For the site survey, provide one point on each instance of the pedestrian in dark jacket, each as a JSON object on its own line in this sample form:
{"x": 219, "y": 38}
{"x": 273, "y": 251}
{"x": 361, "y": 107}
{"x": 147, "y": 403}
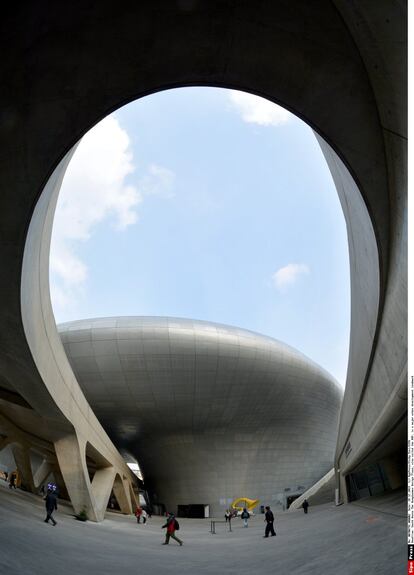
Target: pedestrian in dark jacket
{"x": 269, "y": 519}
{"x": 172, "y": 526}
{"x": 245, "y": 516}
{"x": 51, "y": 505}
{"x": 305, "y": 506}
{"x": 12, "y": 481}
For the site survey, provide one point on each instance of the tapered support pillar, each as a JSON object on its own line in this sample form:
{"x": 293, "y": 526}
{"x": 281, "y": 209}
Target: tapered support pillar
{"x": 63, "y": 492}
{"x": 45, "y": 469}
{"x": 133, "y": 497}
{"x": 101, "y": 488}
{"x": 21, "y": 456}
{"x": 70, "y": 452}
{"x": 121, "y": 492}
{"x": 93, "y": 497}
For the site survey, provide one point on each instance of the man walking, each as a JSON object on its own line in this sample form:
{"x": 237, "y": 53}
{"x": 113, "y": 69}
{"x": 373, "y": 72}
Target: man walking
{"x": 172, "y": 526}
{"x": 12, "y": 481}
{"x": 269, "y": 519}
{"x": 51, "y": 505}
{"x": 245, "y": 516}
{"x": 305, "y": 505}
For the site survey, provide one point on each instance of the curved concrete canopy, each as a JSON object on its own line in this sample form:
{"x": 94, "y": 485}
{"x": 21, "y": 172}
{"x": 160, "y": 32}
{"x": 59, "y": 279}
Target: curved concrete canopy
{"x": 211, "y": 412}
{"x": 340, "y": 66}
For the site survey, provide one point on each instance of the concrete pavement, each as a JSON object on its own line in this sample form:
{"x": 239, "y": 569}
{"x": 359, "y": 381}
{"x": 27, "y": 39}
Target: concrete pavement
{"x": 346, "y": 540}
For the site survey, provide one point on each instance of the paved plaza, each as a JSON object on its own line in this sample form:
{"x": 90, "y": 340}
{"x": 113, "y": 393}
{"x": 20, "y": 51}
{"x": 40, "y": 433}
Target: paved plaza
{"x": 346, "y": 540}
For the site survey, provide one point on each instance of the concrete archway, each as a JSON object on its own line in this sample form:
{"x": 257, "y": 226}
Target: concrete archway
{"x": 67, "y": 69}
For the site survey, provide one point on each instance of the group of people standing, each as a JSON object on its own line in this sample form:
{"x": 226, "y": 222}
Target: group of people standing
{"x": 230, "y": 514}
{"x": 245, "y": 516}
{"x": 141, "y": 513}
{"x": 269, "y": 517}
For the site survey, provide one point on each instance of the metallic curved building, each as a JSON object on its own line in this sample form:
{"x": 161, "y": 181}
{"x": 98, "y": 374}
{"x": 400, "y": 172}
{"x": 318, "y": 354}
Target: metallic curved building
{"x": 210, "y": 412}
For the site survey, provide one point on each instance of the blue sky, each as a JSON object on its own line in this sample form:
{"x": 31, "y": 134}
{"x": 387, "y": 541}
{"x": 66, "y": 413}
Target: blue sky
{"x": 209, "y": 204}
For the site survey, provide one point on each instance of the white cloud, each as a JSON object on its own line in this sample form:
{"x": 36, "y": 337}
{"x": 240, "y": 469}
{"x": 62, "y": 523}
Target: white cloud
{"x": 288, "y": 275}
{"x": 256, "y": 110}
{"x": 95, "y": 190}
{"x": 67, "y": 265}
{"x": 94, "y": 185}
{"x": 158, "y": 182}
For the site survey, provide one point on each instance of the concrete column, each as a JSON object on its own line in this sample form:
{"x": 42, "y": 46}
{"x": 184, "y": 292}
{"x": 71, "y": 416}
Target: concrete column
{"x": 70, "y": 452}
{"x": 22, "y": 458}
{"x": 121, "y": 492}
{"x": 101, "y": 488}
{"x": 133, "y": 497}
{"x": 43, "y": 472}
{"x": 63, "y": 492}
{"x": 339, "y": 497}
{"x": 342, "y": 489}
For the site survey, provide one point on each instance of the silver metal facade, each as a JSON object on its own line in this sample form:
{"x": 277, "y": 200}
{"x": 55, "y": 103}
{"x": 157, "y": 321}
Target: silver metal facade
{"x": 210, "y": 412}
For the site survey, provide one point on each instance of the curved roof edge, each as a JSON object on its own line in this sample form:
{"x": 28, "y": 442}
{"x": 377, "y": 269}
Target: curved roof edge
{"x": 182, "y": 323}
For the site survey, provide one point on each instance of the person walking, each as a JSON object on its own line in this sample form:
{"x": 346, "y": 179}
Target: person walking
{"x": 227, "y": 515}
{"x": 12, "y": 481}
{"x": 51, "y": 505}
{"x": 138, "y": 513}
{"x": 245, "y": 516}
{"x": 305, "y": 505}
{"x": 269, "y": 519}
{"x": 172, "y": 526}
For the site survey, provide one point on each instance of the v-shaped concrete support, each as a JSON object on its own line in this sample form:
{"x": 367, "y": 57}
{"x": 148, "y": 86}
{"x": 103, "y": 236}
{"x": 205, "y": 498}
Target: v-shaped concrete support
{"x": 92, "y": 496}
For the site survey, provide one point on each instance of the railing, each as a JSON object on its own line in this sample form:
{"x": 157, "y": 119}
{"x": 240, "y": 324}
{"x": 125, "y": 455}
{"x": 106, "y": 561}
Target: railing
{"x": 213, "y": 525}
